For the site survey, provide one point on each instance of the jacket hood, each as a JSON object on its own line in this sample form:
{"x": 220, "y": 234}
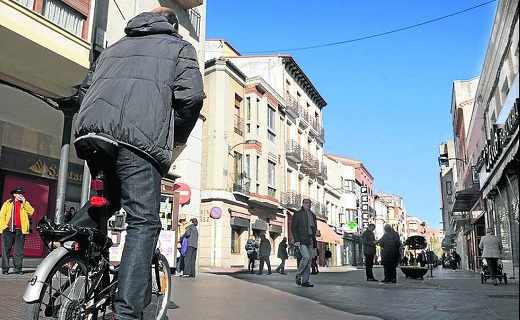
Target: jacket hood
{"x": 148, "y": 23}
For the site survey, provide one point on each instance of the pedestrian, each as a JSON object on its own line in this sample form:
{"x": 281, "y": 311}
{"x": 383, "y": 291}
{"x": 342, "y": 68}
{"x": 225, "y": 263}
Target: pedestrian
{"x": 421, "y": 259}
{"x": 282, "y": 255}
{"x": 140, "y": 100}
{"x": 455, "y": 260}
{"x": 328, "y": 257}
{"x": 304, "y": 231}
{"x": 192, "y": 234}
{"x": 369, "y": 250}
{"x": 264, "y": 252}
{"x": 314, "y": 262}
{"x": 252, "y": 253}
{"x": 491, "y": 247}
{"x": 70, "y": 214}
{"x": 390, "y": 244}
{"x": 14, "y": 225}
{"x": 179, "y": 268}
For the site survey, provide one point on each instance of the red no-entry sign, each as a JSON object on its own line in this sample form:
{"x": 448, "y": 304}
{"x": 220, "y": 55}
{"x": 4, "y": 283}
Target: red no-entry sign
{"x": 184, "y": 192}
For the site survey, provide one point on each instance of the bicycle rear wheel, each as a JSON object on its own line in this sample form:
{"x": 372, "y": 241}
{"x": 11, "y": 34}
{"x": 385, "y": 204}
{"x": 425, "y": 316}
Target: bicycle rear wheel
{"x": 161, "y": 289}
{"x": 63, "y": 291}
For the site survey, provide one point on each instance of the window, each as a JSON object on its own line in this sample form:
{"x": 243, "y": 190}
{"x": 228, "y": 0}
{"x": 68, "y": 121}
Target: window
{"x": 64, "y": 16}
{"x": 271, "y": 116}
{"x": 271, "y": 173}
{"x": 348, "y": 185}
{"x": 248, "y": 109}
{"x": 449, "y": 190}
{"x": 195, "y": 20}
{"x": 235, "y": 239}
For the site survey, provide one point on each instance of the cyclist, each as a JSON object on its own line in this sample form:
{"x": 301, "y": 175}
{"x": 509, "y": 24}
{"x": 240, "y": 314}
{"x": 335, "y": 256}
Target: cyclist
{"x": 135, "y": 92}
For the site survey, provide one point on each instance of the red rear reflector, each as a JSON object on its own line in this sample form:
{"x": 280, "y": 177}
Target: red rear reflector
{"x": 76, "y": 246}
{"x": 97, "y": 201}
{"x": 97, "y": 184}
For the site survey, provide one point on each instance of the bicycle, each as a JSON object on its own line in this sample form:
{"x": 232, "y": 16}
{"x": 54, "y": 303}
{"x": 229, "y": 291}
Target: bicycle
{"x": 76, "y": 280}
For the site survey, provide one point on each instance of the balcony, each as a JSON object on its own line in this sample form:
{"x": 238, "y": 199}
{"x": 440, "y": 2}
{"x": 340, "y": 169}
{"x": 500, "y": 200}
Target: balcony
{"x": 39, "y": 55}
{"x": 323, "y": 171}
{"x": 310, "y": 163}
{"x": 291, "y": 106}
{"x": 293, "y": 151}
{"x": 188, "y": 4}
{"x": 241, "y": 185}
{"x": 319, "y": 210}
{"x": 292, "y": 200}
{"x": 238, "y": 125}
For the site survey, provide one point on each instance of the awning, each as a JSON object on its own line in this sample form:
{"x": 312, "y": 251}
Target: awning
{"x": 465, "y": 199}
{"x": 327, "y": 234}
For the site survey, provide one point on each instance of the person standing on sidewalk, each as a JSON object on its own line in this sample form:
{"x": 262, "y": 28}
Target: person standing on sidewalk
{"x": 282, "y": 255}
{"x": 14, "y": 225}
{"x": 263, "y": 254}
{"x": 369, "y": 250}
{"x": 252, "y": 253}
{"x": 192, "y": 234}
{"x": 328, "y": 258}
{"x": 304, "y": 231}
{"x": 391, "y": 247}
{"x": 491, "y": 247}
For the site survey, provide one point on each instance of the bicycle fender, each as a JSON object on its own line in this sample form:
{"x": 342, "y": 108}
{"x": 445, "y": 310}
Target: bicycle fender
{"x": 35, "y": 285}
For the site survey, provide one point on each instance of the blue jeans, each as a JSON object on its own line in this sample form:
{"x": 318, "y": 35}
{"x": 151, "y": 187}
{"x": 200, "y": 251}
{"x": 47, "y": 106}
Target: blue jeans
{"x": 134, "y": 184}
{"x": 304, "y": 268}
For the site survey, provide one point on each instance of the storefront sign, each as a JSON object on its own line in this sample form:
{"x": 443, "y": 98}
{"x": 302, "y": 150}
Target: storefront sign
{"x": 500, "y": 136}
{"x": 37, "y": 165}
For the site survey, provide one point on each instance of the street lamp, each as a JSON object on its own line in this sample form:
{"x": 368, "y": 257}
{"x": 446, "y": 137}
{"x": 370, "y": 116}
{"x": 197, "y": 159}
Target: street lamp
{"x": 443, "y": 160}
{"x": 245, "y": 142}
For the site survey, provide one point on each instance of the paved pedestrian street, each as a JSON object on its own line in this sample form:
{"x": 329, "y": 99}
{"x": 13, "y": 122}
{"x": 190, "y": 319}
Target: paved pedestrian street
{"x": 339, "y": 293}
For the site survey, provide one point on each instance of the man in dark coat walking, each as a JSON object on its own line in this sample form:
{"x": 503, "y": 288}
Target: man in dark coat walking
{"x": 142, "y": 96}
{"x": 369, "y": 250}
{"x": 304, "y": 231}
{"x": 390, "y": 253}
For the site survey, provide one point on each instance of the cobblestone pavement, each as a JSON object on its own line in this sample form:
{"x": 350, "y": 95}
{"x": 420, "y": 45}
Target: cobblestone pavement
{"x": 339, "y": 293}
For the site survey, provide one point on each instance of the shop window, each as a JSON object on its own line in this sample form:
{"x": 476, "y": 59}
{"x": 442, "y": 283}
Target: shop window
{"x": 235, "y": 239}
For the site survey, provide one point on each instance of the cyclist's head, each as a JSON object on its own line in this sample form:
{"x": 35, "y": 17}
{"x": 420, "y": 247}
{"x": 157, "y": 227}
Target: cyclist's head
{"x": 170, "y": 16}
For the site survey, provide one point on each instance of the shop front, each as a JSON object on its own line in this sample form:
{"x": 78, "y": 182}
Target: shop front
{"x": 38, "y": 175}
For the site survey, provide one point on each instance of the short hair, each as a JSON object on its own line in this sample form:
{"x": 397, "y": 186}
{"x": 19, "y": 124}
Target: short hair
{"x": 192, "y": 220}
{"x": 169, "y": 14}
{"x": 388, "y": 227}
{"x": 306, "y": 199}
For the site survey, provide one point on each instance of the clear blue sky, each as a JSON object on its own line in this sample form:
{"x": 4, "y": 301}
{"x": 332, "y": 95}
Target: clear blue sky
{"x": 388, "y": 96}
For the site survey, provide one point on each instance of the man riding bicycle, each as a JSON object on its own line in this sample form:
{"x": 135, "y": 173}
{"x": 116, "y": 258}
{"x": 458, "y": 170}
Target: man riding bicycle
{"x": 143, "y": 94}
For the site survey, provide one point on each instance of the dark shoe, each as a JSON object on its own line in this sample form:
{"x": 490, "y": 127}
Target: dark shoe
{"x": 259, "y": 274}
{"x": 269, "y": 273}
{"x": 298, "y": 280}
{"x": 307, "y": 284}
{"x": 5, "y": 272}
{"x": 371, "y": 279}
{"x": 283, "y": 273}
{"x": 384, "y": 281}
{"x": 393, "y": 281}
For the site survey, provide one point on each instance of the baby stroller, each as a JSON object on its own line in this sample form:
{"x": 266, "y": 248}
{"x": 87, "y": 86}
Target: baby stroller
{"x": 485, "y": 275}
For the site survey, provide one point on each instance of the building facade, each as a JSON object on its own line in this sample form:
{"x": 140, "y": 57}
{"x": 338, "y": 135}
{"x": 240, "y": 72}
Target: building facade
{"x": 487, "y": 156}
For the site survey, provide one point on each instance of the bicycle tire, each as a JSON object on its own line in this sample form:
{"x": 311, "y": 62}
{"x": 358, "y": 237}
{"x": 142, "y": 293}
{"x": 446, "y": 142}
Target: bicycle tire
{"x": 62, "y": 292}
{"x": 161, "y": 292}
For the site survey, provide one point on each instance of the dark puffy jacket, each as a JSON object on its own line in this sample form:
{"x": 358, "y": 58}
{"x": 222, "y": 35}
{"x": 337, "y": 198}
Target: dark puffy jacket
{"x": 134, "y": 86}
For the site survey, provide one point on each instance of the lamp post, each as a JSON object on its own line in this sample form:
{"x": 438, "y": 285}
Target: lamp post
{"x": 252, "y": 141}
{"x": 443, "y": 160}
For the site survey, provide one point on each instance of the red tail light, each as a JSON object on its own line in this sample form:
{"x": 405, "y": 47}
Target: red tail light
{"x": 97, "y": 201}
{"x": 97, "y": 184}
